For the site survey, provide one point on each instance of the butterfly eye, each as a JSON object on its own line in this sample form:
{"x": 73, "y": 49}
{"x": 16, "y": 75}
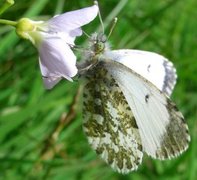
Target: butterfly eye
{"x": 103, "y": 38}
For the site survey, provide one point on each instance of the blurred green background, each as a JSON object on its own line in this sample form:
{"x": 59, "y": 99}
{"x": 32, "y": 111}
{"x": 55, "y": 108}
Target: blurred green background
{"x": 37, "y": 142}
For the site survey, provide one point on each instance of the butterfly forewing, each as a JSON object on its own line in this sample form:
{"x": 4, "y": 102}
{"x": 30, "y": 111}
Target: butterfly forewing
{"x": 154, "y": 67}
{"x": 109, "y": 123}
{"x": 163, "y": 131}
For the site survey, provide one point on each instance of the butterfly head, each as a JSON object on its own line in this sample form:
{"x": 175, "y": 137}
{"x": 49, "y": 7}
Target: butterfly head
{"x": 98, "y": 44}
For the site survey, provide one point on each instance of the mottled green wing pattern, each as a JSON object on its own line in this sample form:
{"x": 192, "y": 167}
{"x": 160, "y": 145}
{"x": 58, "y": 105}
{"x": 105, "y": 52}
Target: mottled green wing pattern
{"x": 176, "y": 138}
{"x": 109, "y": 123}
{"x": 163, "y": 131}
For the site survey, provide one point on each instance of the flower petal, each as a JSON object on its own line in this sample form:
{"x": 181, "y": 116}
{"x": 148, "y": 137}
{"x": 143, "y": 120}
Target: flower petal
{"x": 73, "y": 20}
{"x": 50, "y": 82}
{"x": 56, "y": 61}
{"x": 75, "y": 32}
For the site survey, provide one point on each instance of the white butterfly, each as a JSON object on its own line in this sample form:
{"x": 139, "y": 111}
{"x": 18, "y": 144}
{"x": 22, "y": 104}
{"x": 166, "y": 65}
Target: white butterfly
{"x": 127, "y": 110}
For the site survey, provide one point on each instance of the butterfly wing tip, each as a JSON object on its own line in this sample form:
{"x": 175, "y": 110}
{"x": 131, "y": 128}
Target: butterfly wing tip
{"x": 170, "y": 77}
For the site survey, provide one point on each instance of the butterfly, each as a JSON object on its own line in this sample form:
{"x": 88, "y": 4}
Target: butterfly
{"x": 126, "y": 106}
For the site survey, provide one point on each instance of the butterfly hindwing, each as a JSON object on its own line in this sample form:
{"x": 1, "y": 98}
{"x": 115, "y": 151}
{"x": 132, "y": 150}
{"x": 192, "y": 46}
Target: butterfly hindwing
{"x": 109, "y": 123}
{"x": 163, "y": 131}
{"x": 176, "y": 138}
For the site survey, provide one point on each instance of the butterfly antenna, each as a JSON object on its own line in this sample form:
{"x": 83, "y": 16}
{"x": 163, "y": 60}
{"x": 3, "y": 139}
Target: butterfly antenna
{"x": 112, "y": 27}
{"x": 86, "y": 34}
{"x": 100, "y": 18}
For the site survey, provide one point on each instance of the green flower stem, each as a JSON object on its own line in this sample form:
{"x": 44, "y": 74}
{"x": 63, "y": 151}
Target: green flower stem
{"x": 6, "y": 5}
{"x": 8, "y": 22}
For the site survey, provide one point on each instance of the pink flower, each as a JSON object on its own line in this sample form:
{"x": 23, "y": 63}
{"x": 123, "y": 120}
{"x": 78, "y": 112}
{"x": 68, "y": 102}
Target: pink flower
{"x": 54, "y": 39}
